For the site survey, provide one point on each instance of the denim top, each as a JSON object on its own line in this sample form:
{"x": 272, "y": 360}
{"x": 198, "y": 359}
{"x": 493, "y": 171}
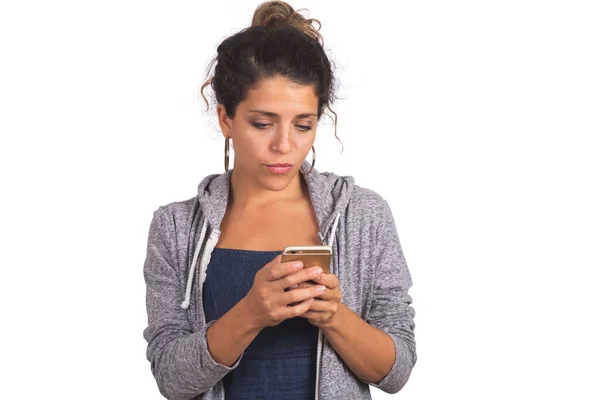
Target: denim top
{"x": 280, "y": 363}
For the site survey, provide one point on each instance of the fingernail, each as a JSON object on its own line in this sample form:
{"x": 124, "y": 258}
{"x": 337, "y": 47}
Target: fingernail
{"x": 321, "y": 289}
{"x": 317, "y": 271}
{"x": 298, "y": 264}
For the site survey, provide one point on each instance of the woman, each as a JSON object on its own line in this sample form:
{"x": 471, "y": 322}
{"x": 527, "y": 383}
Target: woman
{"x": 226, "y": 318}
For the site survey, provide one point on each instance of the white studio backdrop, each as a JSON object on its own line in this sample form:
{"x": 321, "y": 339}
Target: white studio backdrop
{"x": 477, "y": 121}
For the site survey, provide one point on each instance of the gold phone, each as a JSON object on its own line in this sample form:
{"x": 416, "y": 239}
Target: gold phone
{"x": 311, "y": 256}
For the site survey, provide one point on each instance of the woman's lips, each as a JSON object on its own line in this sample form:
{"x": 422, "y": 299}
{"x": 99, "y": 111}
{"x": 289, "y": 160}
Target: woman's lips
{"x": 277, "y": 169}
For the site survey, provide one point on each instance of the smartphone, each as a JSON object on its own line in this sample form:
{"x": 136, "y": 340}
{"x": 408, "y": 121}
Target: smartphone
{"x": 311, "y": 256}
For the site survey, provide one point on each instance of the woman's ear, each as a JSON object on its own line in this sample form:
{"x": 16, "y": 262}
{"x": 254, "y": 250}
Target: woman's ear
{"x": 225, "y": 122}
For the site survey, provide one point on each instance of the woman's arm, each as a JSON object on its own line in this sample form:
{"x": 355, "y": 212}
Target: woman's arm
{"x": 368, "y": 351}
{"x": 180, "y": 360}
{"x": 231, "y": 334}
{"x": 381, "y": 351}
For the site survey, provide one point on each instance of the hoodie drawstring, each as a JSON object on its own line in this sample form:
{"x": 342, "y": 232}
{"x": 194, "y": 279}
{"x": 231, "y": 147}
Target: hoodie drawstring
{"x": 188, "y": 288}
{"x": 333, "y": 229}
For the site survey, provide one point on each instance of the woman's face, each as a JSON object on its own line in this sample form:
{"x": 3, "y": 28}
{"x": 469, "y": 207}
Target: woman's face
{"x": 278, "y": 112}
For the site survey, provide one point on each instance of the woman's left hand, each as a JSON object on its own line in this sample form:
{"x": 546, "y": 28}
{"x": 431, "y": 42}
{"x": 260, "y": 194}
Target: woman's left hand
{"x": 324, "y": 307}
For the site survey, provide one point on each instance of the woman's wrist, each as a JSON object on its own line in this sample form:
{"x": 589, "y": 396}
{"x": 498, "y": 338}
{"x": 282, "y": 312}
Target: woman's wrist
{"x": 247, "y": 322}
{"x": 231, "y": 334}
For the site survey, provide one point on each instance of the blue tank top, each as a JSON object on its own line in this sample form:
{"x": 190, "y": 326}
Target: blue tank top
{"x": 280, "y": 363}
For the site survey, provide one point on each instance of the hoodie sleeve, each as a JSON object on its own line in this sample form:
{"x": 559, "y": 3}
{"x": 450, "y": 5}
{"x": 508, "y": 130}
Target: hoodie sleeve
{"x": 179, "y": 358}
{"x": 391, "y": 309}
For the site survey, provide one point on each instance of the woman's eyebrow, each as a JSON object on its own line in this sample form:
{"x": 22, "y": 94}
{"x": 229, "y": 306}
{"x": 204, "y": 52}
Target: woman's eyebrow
{"x": 272, "y": 114}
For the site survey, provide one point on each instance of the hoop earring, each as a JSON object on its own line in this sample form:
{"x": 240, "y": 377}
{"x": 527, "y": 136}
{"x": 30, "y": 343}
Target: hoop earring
{"x": 313, "y": 161}
{"x": 226, "y": 154}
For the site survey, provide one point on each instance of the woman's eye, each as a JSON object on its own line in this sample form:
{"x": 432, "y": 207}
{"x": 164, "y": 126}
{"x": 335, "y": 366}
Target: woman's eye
{"x": 263, "y": 126}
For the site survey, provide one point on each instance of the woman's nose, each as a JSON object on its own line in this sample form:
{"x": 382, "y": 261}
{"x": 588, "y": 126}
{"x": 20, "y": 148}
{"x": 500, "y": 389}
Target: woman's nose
{"x": 282, "y": 140}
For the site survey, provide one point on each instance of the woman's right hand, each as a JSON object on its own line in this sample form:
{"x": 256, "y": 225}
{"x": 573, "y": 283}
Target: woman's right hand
{"x": 269, "y": 298}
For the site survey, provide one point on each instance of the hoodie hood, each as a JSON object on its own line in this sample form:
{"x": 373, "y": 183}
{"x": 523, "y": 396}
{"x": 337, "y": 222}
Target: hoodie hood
{"x": 329, "y": 194}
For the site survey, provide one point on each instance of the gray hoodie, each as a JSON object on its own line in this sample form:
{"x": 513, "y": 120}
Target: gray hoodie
{"x": 367, "y": 259}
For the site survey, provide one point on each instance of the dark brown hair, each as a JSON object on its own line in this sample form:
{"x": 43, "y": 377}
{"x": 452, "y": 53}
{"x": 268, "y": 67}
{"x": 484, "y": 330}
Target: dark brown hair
{"x": 280, "y": 42}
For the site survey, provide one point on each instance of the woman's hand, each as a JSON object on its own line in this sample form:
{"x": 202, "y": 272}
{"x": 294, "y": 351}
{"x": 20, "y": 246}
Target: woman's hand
{"x": 324, "y": 306}
{"x": 269, "y": 300}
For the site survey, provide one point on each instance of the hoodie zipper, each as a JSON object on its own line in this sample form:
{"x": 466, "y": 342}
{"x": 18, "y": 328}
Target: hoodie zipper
{"x": 319, "y": 341}
{"x": 213, "y": 238}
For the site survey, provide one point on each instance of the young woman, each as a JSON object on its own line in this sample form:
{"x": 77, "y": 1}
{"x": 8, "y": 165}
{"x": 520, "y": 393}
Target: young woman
{"x": 226, "y": 318}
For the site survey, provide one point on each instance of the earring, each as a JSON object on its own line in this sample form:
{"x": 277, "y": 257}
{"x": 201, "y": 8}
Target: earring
{"x": 313, "y": 161}
{"x": 226, "y": 154}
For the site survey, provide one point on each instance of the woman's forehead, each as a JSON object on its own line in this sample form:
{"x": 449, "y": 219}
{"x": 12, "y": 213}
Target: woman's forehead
{"x": 280, "y": 96}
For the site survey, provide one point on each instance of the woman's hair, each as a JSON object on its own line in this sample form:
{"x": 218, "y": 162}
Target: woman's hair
{"x": 280, "y": 42}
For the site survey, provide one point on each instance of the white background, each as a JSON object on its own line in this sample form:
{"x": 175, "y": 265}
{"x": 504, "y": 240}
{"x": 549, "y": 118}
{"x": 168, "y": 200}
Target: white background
{"x": 478, "y": 121}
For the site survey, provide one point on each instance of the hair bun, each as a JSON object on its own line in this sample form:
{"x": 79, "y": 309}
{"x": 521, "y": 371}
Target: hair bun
{"x": 273, "y": 14}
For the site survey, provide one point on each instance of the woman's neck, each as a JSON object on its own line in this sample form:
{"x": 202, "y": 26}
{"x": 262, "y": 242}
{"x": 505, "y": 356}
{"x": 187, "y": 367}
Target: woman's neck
{"x": 245, "y": 194}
